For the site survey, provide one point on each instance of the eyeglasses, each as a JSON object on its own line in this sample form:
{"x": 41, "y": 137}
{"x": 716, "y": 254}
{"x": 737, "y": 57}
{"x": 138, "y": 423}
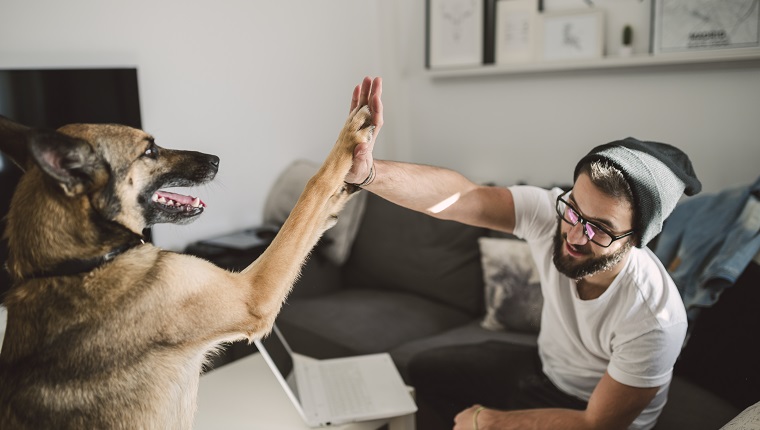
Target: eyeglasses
{"x": 596, "y": 234}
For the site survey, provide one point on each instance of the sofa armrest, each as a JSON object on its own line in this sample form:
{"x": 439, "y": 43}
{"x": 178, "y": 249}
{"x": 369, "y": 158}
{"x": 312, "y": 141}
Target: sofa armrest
{"x": 690, "y": 406}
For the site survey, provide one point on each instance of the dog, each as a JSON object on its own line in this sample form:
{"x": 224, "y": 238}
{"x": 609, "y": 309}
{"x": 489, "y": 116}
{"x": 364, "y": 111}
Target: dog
{"x": 108, "y": 331}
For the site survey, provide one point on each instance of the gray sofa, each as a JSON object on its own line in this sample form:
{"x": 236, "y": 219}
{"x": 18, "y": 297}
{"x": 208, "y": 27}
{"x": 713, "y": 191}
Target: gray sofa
{"x": 411, "y": 283}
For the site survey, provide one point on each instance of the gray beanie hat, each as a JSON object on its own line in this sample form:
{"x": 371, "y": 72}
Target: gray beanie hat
{"x": 657, "y": 173}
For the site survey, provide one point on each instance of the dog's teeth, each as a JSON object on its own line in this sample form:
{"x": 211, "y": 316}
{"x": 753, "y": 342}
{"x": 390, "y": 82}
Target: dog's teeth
{"x": 195, "y": 202}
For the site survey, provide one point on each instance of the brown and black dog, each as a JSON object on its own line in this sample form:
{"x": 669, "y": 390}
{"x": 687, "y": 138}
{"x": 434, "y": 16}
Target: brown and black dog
{"x": 105, "y": 331}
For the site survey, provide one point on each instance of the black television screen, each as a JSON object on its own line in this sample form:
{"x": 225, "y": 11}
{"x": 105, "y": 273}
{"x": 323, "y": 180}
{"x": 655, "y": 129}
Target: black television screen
{"x": 50, "y": 98}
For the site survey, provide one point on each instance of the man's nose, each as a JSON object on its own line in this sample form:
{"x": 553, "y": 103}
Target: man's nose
{"x": 576, "y": 236}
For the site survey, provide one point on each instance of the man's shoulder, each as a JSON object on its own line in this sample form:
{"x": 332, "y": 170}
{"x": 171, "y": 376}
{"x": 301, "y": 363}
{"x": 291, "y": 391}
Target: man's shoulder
{"x": 652, "y": 288}
{"x": 646, "y": 270}
{"x": 535, "y": 192}
{"x": 535, "y": 217}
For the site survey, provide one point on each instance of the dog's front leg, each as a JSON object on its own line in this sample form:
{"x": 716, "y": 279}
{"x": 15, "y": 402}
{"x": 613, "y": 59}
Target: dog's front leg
{"x": 272, "y": 275}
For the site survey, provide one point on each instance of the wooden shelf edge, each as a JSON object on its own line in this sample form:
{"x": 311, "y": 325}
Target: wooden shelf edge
{"x": 637, "y": 61}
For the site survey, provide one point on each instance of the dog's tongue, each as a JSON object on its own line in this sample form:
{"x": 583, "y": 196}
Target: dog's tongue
{"x": 173, "y": 199}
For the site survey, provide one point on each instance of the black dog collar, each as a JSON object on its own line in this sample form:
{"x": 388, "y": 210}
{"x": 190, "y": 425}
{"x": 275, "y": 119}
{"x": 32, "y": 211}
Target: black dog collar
{"x": 76, "y": 267}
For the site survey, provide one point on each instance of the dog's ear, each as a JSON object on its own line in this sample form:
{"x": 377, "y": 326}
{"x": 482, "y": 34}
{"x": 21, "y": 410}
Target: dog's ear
{"x": 14, "y": 140}
{"x": 72, "y": 162}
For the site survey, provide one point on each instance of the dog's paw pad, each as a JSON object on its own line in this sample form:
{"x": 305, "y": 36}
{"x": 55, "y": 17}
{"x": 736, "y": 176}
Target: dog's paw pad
{"x": 362, "y": 118}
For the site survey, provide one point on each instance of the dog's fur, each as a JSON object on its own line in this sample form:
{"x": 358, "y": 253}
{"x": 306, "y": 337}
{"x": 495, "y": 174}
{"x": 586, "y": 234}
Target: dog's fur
{"x": 122, "y": 345}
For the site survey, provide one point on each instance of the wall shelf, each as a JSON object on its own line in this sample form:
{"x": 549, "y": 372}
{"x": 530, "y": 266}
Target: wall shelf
{"x": 734, "y": 56}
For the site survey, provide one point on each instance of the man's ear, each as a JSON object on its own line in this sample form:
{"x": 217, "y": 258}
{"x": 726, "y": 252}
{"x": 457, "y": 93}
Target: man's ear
{"x": 14, "y": 139}
{"x": 72, "y": 162}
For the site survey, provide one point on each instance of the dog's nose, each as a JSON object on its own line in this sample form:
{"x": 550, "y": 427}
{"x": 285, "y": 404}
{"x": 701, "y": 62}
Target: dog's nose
{"x": 214, "y": 160}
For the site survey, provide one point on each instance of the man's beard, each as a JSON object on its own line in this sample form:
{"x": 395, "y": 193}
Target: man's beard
{"x": 573, "y": 270}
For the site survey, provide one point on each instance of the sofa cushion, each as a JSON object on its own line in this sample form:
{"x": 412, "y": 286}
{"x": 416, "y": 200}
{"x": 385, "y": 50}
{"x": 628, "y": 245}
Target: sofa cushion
{"x": 336, "y": 242}
{"x": 319, "y": 276}
{"x": 513, "y": 290}
{"x": 362, "y": 321}
{"x": 467, "y": 334}
{"x": 403, "y": 250}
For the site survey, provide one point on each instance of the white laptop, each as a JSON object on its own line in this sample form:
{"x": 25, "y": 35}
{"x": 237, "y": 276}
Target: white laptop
{"x": 338, "y": 390}
{"x": 3, "y": 323}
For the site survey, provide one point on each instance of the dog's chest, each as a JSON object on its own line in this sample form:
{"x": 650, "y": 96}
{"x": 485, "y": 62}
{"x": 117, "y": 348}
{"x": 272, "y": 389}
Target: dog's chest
{"x": 184, "y": 394}
{"x": 155, "y": 391}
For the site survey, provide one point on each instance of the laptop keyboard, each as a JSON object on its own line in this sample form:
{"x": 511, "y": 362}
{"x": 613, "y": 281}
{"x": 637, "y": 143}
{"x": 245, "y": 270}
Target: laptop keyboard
{"x": 345, "y": 390}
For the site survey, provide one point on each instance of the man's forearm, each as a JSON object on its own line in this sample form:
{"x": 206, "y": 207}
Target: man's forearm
{"x": 444, "y": 194}
{"x": 566, "y": 419}
{"x": 426, "y": 189}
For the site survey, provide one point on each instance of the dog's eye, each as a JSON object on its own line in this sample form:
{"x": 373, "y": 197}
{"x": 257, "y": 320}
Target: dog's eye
{"x": 151, "y": 152}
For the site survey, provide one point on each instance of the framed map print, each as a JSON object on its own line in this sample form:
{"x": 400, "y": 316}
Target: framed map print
{"x": 455, "y": 31}
{"x": 692, "y": 25}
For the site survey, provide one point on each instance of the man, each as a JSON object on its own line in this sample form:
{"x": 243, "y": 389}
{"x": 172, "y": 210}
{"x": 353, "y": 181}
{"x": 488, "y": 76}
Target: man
{"x": 613, "y": 322}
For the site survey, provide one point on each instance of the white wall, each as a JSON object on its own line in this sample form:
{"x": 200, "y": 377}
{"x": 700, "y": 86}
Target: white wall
{"x": 534, "y": 128}
{"x": 258, "y": 83}
{"x": 261, "y": 83}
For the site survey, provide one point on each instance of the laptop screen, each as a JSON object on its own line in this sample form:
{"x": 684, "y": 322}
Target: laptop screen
{"x": 279, "y": 353}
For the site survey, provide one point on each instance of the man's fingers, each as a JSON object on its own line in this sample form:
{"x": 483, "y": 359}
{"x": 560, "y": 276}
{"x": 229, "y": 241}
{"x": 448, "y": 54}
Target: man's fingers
{"x": 365, "y": 90}
{"x": 368, "y": 93}
{"x": 376, "y": 107}
{"x": 377, "y": 86}
{"x": 355, "y": 98}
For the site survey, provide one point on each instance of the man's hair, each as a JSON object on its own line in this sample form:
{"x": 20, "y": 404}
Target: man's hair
{"x": 611, "y": 181}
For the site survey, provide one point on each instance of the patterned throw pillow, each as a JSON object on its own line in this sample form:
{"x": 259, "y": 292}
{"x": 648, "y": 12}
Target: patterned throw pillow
{"x": 513, "y": 291}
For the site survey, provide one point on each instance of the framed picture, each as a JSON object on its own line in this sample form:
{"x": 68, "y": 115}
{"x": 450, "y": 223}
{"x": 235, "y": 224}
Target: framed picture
{"x": 572, "y": 35}
{"x": 617, "y": 15}
{"x": 692, "y": 25}
{"x": 455, "y": 31}
{"x": 516, "y": 22}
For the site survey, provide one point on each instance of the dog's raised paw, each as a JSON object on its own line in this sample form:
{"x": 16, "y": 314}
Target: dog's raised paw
{"x": 361, "y": 125}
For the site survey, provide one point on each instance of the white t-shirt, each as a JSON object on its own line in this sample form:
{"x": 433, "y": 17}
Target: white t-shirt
{"x": 634, "y": 330}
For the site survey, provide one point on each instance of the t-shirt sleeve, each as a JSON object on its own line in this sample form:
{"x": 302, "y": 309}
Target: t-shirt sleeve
{"x": 535, "y": 214}
{"x": 647, "y": 361}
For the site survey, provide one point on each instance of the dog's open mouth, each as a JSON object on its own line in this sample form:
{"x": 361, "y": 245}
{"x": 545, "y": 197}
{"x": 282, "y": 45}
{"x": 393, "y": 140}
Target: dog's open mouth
{"x": 177, "y": 203}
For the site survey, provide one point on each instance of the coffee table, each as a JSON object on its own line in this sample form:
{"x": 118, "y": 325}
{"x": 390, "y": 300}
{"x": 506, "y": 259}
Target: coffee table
{"x": 246, "y": 395}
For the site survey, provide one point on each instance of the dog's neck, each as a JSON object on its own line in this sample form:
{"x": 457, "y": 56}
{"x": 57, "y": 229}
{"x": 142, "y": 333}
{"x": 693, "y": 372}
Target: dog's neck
{"x": 49, "y": 235}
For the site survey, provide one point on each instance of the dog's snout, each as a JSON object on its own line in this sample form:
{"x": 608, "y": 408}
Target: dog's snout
{"x": 213, "y": 160}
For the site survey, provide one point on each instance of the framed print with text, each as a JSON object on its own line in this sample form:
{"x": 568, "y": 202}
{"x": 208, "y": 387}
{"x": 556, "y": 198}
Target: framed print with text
{"x": 692, "y": 25}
